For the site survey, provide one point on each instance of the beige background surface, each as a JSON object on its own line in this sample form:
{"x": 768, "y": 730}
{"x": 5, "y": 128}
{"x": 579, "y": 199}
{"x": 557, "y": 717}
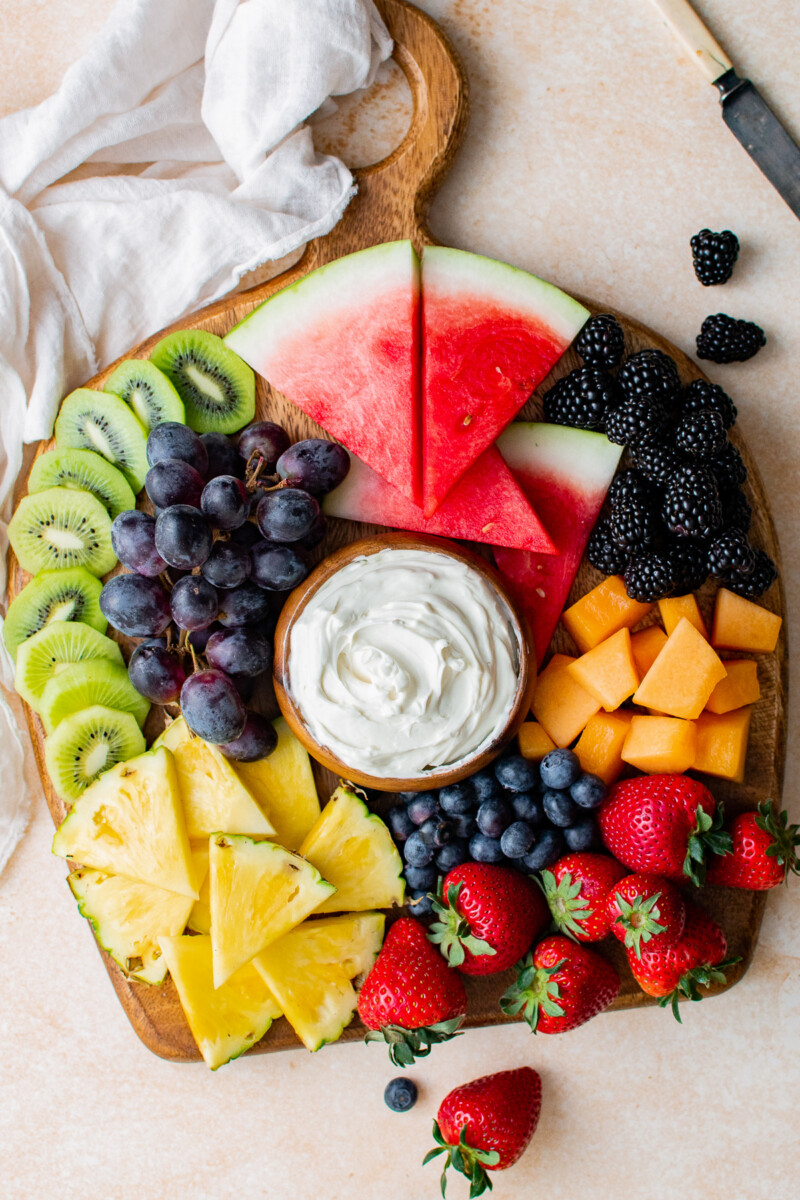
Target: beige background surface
{"x": 594, "y": 152}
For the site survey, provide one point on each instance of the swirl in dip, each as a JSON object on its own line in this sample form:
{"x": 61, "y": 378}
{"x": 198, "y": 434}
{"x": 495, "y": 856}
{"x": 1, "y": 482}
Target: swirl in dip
{"x": 404, "y": 661}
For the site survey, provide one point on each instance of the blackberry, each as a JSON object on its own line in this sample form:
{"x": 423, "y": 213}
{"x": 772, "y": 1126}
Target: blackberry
{"x": 729, "y": 470}
{"x": 760, "y": 579}
{"x": 701, "y": 434}
{"x": 581, "y": 399}
{"x": 736, "y": 510}
{"x": 601, "y": 342}
{"x": 633, "y": 526}
{"x": 630, "y": 485}
{"x": 639, "y": 417}
{"x": 649, "y": 576}
{"x": 687, "y": 559}
{"x": 700, "y": 395}
{"x": 691, "y": 502}
{"x": 654, "y": 459}
{"x": 604, "y": 553}
{"x": 725, "y": 339}
{"x": 713, "y": 256}
{"x": 650, "y": 373}
{"x": 730, "y": 555}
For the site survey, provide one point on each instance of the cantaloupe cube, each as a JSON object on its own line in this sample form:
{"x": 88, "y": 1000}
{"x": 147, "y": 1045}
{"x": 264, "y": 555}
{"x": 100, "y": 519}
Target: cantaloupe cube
{"x": 603, "y": 611}
{"x": 646, "y": 646}
{"x": 741, "y": 625}
{"x": 722, "y": 743}
{"x": 608, "y": 672}
{"x": 534, "y": 741}
{"x": 739, "y": 687}
{"x": 683, "y": 676}
{"x": 675, "y": 607}
{"x": 599, "y": 747}
{"x": 560, "y": 704}
{"x": 660, "y": 745}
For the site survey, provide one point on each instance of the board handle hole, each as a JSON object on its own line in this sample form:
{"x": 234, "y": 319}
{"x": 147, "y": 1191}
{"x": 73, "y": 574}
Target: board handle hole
{"x": 370, "y": 123}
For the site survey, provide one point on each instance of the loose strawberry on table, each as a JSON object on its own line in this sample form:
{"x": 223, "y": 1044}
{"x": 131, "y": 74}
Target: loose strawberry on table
{"x": 696, "y": 961}
{"x": 645, "y": 906}
{"x": 764, "y": 851}
{"x": 576, "y": 889}
{"x": 560, "y": 986}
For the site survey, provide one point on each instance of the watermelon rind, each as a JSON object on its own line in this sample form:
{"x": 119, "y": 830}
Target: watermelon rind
{"x": 581, "y": 457}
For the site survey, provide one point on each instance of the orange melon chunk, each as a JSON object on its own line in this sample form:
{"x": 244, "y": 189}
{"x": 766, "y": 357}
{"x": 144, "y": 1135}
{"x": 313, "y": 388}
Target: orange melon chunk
{"x": 604, "y": 610}
{"x": 740, "y": 624}
{"x": 683, "y": 676}
{"x": 608, "y": 672}
{"x": 722, "y": 744}
{"x": 675, "y": 607}
{"x": 739, "y": 687}
{"x": 599, "y": 747}
{"x": 534, "y": 741}
{"x": 646, "y": 646}
{"x": 660, "y": 745}
{"x": 561, "y": 706}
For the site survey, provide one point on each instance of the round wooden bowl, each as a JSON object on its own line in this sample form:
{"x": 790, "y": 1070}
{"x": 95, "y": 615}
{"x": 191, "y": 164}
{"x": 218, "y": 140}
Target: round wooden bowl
{"x": 300, "y": 597}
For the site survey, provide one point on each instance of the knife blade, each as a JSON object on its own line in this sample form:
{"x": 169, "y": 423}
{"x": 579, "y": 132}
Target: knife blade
{"x": 744, "y": 109}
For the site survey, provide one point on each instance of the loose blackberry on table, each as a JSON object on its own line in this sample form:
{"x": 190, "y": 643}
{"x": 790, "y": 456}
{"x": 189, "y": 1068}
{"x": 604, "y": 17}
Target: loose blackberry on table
{"x": 581, "y": 399}
{"x": 725, "y": 339}
{"x": 601, "y": 342}
{"x": 714, "y": 256}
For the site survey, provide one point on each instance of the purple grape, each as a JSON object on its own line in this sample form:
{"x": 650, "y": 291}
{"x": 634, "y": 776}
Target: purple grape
{"x": 133, "y": 536}
{"x": 244, "y": 605}
{"x": 246, "y": 535}
{"x": 226, "y": 502}
{"x": 156, "y": 673}
{"x": 171, "y": 441}
{"x": 169, "y": 483}
{"x": 257, "y": 740}
{"x": 198, "y": 638}
{"x": 194, "y": 603}
{"x": 315, "y": 534}
{"x": 314, "y": 464}
{"x": 239, "y": 652}
{"x": 212, "y": 707}
{"x": 136, "y": 606}
{"x": 223, "y": 457}
{"x": 227, "y": 565}
{"x": 278, "y": 568}
{"x": 183, "y": 536}
{"x": 286, "y": 515}
{"x": 266, "y": 439}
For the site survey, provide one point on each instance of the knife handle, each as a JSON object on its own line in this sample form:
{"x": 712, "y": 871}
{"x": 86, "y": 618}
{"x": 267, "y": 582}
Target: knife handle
{"x": 696, "y": 40}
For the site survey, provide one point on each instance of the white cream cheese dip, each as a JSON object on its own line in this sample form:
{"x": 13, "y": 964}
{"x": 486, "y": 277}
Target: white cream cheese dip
{"x": 404, "y": 661}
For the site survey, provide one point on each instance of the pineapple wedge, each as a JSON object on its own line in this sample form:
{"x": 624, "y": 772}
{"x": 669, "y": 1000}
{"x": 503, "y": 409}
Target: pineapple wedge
{"x": 130, "y": 822}
{"x": 258, "y": 892}
{"x": 309, "y": 971}
{"x": 128, "y": 918}
{"x": 353, "y": 850}
{"x": 200, "y": 916}
{"x": 214, "y": 798}
{"x": 224, "y": 1022}
{"x": 283, "y": 784}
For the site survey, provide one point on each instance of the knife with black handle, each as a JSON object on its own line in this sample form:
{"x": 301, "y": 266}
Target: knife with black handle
{"x": 744, "y": 110}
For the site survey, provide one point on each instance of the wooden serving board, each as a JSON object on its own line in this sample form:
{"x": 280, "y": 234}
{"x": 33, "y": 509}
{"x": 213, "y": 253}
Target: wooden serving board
{"x": 392, "y": 202}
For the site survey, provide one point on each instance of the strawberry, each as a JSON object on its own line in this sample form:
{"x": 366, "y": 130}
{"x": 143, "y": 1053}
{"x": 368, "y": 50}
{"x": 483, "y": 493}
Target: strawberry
{"x": 576, "y": 888}
{"x": 560, "y": 986}
{"x": 642, "y": 907}
{"x": 489, "y": 917}
{"x": 410, "y": 998}
{"x": 664, "y": 824}
{"x": 696, "y": 961}
{"x": 764, "y": 851}
{"x": 485, "y": 1125}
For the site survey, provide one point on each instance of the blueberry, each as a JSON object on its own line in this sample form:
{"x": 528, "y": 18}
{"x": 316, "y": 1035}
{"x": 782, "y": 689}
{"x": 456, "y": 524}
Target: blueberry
{"x": 583, "y": 835}
{"x": 588, "y": 791}
{"x": 493, "y": 817}
{"x": 517, "y": 839}
{"x": 485, "y": 849}
{"x": 400, "y": 823}
{"x": 457, "y": 798}
{"x": 463, "y": 825}
{"x": 436, "y": 833}
{"x": 559, "y": 769}
{"x": 528, "y": 807}
{"x": 547, "y": 849}
{"x": 421, "y": 879}
{"x": 419, "y": 902}
{"x": 421, "y": 808}
{"x": 486, "y": 786}
{"x": 516, "y": 773}
{"x": 559, "y": 808}
{"x": 416, "y": 852}
{"x": 400, "y": 1094}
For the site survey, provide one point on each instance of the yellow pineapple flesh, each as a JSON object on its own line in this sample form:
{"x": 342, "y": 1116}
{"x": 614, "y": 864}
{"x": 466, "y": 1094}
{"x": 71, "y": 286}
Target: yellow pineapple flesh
{"x": 283, "y": 784}
{"x": 200, "y": 917}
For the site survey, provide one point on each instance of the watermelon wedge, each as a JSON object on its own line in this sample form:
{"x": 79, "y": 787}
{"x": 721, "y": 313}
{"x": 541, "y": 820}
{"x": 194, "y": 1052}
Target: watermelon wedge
{"x": 486, "y": 505}
{"x": 343, "y": 344}
{"x": 491, "y": 333}
{"x": 565, "y": 473}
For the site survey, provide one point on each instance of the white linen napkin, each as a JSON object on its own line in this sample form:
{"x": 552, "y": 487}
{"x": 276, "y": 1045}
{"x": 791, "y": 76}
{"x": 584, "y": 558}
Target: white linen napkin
{"x": 206, "y": 99}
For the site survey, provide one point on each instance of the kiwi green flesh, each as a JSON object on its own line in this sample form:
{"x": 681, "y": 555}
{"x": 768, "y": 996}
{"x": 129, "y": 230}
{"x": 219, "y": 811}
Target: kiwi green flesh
{"x": 71, "y": 594}
{"x": 100, "y": 421}
{"x": 147, "y": 390}
{"x": 55, "y": 647}
{"x": 87, "y": 471}
{"x": 86, "y": 744}
{"x": 217, "y": 387}
{"x": 62, "y": 527}
{"x": 85, "y": 684}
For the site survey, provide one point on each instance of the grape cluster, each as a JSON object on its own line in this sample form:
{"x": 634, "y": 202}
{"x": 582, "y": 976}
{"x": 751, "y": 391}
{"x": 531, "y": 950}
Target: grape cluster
{"x": 232, "y": 528}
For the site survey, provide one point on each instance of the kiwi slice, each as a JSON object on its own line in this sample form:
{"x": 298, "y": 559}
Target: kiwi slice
{"x": 84, "y": 684}
{"x": 86, "y": 744}
{"x": 216, "y": 386}
{"x": 87, "y": 471}
{"x": 62, "y": 527}
{"x": 90, "y": 420}
{"x": 52, "y": 649}
{"x": 148, "y": 391}
{"x": 71, "y": 594}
